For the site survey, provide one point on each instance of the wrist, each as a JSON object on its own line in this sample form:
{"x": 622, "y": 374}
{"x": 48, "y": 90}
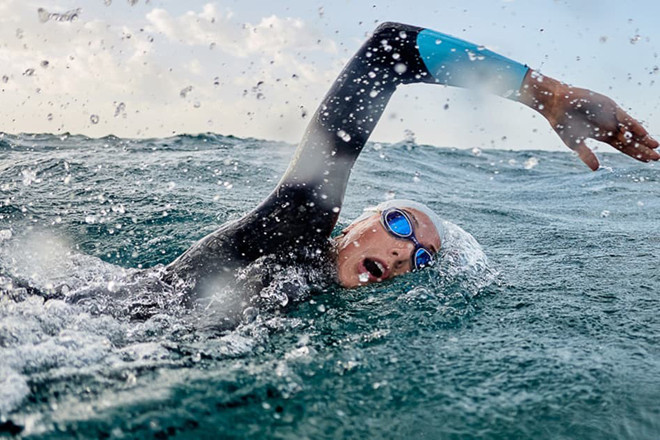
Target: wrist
{"x": 541, "y": 93}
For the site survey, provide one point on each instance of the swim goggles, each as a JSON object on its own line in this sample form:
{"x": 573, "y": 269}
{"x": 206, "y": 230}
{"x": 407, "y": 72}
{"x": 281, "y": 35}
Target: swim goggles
{"x": 397, "y": 223}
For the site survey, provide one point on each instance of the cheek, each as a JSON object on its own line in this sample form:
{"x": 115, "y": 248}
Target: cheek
{"x": 359, "y": 238}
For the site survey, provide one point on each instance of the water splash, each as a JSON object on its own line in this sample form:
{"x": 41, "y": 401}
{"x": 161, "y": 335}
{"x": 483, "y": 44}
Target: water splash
{"x": 68, "y": 16}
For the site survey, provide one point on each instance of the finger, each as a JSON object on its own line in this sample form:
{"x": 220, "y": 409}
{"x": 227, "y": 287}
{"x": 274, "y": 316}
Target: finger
{"x": 586, "y": 155}
{"x": 638, "y": 131}
{"x": 636, "y": 150}
{"x": 649, "y": 142}
{"x": 631, "y": 124}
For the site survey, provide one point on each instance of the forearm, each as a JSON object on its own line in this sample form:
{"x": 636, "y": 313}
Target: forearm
{"x": 459, "y": 63}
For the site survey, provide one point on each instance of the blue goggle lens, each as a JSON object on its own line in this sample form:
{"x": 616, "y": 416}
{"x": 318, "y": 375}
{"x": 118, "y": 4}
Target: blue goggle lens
{"x": 398, "y": 224}
{"x": 422, "y": 258}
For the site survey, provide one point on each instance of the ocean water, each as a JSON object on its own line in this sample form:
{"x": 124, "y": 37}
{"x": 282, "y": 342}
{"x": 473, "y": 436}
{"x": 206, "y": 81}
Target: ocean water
{"x": 555, "y": 335}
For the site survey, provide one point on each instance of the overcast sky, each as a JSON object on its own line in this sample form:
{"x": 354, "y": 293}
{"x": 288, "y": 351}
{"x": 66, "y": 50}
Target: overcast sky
{"x": 137, "y": 68}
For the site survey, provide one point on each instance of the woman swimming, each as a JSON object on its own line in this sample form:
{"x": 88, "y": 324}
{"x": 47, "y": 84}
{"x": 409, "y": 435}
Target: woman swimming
{"x": 292, "y": 226}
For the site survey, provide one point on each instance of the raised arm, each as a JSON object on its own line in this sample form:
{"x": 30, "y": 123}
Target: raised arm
{"x": 310, "y": 194}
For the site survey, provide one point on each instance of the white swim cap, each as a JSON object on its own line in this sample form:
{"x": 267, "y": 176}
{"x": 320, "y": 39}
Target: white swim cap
{"x": 438, "y": 222}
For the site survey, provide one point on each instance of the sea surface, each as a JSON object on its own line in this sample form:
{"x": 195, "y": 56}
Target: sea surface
{"x": 554, "y": 332}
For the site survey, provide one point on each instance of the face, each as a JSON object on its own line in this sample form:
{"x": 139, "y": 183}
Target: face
{"x": 368, "y": 253}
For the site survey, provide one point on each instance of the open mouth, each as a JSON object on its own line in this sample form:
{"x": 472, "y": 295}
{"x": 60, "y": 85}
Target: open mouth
{"x": 375, "y": 268}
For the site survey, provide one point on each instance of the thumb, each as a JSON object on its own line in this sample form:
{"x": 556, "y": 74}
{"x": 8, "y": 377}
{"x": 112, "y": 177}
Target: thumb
{"x": 586, "y": 155}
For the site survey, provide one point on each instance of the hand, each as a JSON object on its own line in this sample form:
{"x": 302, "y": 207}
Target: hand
{"x": 578, "y": 114}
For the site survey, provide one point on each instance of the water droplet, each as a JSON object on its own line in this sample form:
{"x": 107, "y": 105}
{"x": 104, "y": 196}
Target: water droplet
{"x": 43, "y": 15}
{"x": 403, "y": 35}
{"x": 121, "y": 107}
{"x": 409, "y": 137}
{"x": 5, "y": 79}
{"x": 605, "y": 213}
{"x": 29, "y": 72}
{"x": 94, "y": 119}
{"x": 635, "y": 39}
{"x": 344, "y": 136}
{"x": 363, "y": 277}
{"x": 400, "y": 68}
{"x": 476, "y": 151}
{"x": 389, "y": 195}
{"x": 184, "y": 92}
{"x": 90, "y": 219}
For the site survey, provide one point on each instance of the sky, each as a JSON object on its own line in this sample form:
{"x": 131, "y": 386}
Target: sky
{"x": 136, "y": 68}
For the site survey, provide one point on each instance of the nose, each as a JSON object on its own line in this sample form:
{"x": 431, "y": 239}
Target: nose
{"x": 400, "y": 254}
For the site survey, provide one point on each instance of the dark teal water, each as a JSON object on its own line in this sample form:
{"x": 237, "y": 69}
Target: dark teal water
{"x": 557, "y": 337}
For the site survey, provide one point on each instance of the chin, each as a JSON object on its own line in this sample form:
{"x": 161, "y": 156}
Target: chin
{"x": 349, "y": 281}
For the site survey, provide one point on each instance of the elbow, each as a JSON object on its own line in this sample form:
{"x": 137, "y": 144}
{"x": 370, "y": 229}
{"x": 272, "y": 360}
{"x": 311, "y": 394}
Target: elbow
{"x": 391, "y": 29}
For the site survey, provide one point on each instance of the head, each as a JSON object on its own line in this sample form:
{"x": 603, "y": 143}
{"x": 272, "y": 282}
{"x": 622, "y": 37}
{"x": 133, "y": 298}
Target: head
{"x": 367, "y": 252}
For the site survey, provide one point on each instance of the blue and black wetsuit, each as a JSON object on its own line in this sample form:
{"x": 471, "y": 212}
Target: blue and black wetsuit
{"x": 295, "y": 221}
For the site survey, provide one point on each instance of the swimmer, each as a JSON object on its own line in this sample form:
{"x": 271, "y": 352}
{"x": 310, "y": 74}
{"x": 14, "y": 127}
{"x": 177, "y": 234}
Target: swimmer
{"x": 293, "y": 225}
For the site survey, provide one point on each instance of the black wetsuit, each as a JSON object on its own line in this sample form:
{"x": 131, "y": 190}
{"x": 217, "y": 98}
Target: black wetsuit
{"x": 295, "y": 221}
